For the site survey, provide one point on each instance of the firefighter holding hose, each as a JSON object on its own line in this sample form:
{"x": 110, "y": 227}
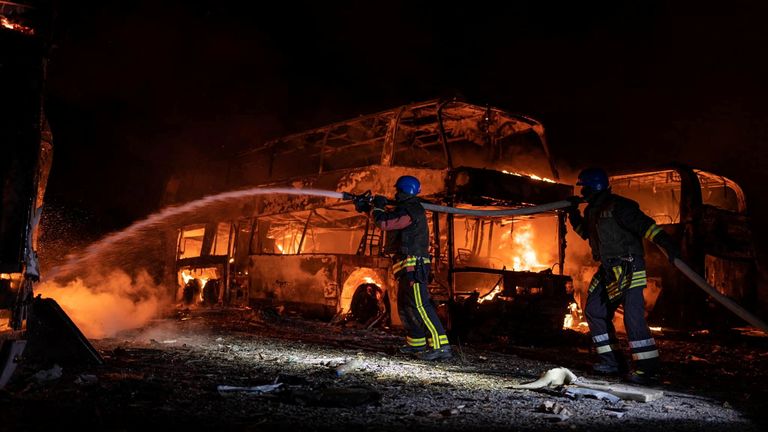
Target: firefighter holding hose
{"x": 407, "y": 242}
{"x": 615, "y": 227}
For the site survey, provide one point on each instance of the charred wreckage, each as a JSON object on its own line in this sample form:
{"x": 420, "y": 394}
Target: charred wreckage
{"x": 319, "y": 257}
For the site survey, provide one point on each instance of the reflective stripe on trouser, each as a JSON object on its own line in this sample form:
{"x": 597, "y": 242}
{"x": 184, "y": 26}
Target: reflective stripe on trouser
{"x": 416, "y": 342}
{"x": 620, "y": 281}
{"x": 600, "y": 310}
{"x": 408, "y": 263}
{"x": 417, "y": 313}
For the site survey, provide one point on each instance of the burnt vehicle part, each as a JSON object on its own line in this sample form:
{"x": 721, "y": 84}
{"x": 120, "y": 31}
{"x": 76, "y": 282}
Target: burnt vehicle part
{"x": 707, "y": 214}
{"x": 283, "y": 252}
{"x": 499, "y": 281}
{"x": 24, "y": 168}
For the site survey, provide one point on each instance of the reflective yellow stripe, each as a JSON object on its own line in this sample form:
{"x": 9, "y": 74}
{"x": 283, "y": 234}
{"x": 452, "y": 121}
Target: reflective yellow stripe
{"x": 594, "y": 283}
{"x": 638, "y": 279}
{"x": 617, "y": 272}
{"x": 652, "y": 231}
{"x": 645, "y": 355}
{"x": 415, "y": 341}
{"x": 423, "y": 313}
{"x": 443, "y": 340}
{"x": 408, "y": 262}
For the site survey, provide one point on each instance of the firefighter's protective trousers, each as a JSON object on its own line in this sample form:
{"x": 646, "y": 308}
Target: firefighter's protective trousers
{"x": 417, "y": 313}
{"x": 620, "y": 282}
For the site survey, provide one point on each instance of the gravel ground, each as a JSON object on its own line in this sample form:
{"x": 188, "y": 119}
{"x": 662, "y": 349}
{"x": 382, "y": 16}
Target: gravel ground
{"x": 168, "y": 375}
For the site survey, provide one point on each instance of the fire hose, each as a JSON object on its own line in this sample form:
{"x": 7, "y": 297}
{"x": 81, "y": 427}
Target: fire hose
{"x": 723, "y": 300}
{"x": 469, "y": 212}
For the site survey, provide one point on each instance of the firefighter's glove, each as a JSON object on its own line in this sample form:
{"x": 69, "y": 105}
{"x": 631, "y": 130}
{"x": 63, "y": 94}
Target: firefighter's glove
{"x": 380, "y": 202}
{"x": 362, "y": 204}
{"x": 669, "y": 246}
{"x": 573, "y": 209}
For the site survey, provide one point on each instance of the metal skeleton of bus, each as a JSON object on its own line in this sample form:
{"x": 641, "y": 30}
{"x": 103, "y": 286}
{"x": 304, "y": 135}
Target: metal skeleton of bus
{"x": 314, "y": 254}
{"x": 706, "y": 213}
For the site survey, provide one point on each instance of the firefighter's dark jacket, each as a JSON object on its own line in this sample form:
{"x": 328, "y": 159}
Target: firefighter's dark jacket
{"x": 413, "y": 240}
{"x": 615, "y": 227}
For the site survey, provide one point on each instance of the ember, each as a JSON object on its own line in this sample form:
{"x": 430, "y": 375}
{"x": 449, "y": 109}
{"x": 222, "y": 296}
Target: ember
{"x": 5, "y": 22}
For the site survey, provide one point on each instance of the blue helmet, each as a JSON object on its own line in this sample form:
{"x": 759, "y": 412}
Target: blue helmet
{"x": 408, "y": 184}
{"x": 595, "y": 178}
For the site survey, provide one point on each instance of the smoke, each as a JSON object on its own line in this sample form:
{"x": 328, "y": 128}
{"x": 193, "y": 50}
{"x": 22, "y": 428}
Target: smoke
{"x": 103, "y": 305}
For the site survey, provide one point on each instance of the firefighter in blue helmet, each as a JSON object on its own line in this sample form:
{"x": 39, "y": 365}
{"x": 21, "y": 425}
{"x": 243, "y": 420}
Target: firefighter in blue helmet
{"x": 408, "y": 243}
{"x": 615, "y": 227}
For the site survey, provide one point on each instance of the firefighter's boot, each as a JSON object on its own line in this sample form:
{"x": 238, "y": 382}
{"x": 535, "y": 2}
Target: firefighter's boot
{"x": 642, "y": 377}
{"x": 442, "y": 353}
{"x": 611, "y": 364}
{"x": 413, "y": 350}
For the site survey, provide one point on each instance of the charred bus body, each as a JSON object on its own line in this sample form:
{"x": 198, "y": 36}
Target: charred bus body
{"x": 319, "y": 256}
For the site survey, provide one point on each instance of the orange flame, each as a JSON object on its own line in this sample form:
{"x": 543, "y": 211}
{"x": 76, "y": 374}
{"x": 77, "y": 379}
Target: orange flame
{"x": 533, "y": 176}
{"x": 356, "y": 278}
{"x": 5, "y": 22}
{"x": 491, "y": 295}
{"x": 521, "y": 255}
{"x": 203, "y": 280}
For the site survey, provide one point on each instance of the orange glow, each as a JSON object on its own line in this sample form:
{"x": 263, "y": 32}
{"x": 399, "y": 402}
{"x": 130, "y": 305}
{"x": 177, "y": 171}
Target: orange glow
{"x": 203, "y": 278}
{"x": 15, "y": 27}
{"x": 356, "y": 278}
{"x": 109, "y": 303}
{"x": 491, "y": 295}
{"x": 288, "y": 243}
{"x": 520, "y": 255}
{"x": 533, "y": 176}
{"x": 186, "y": 277}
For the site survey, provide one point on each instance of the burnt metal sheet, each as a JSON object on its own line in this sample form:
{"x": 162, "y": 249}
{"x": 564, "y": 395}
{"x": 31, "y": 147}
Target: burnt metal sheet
{"x": 312, "y": 280}
{"x": 478, "y": 186}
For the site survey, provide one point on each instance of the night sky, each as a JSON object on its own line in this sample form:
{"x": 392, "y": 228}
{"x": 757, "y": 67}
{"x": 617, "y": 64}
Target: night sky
{"x": 135, "y": 89}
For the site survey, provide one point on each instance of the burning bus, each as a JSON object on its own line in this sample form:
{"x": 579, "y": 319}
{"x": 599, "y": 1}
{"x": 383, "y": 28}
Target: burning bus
{"x": 318, "y": 256}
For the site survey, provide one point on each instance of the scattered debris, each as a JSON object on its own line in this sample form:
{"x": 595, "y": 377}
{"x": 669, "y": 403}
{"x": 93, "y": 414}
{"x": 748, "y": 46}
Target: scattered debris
{"x": 51, "y": 374}
{"x": 627, "y": 392}
{"x": 557, "y": 411}
{"x": 452, "y": 411}
{"x": 349, "y": 366}
{"x": 553, "y": 377}
{"x": 262, "y": 389}
{"x": 291, "y": 380}
{"x": 86, "y": 380}
{"x": 578, "y": 392}
{"x": 613, "y": 412}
